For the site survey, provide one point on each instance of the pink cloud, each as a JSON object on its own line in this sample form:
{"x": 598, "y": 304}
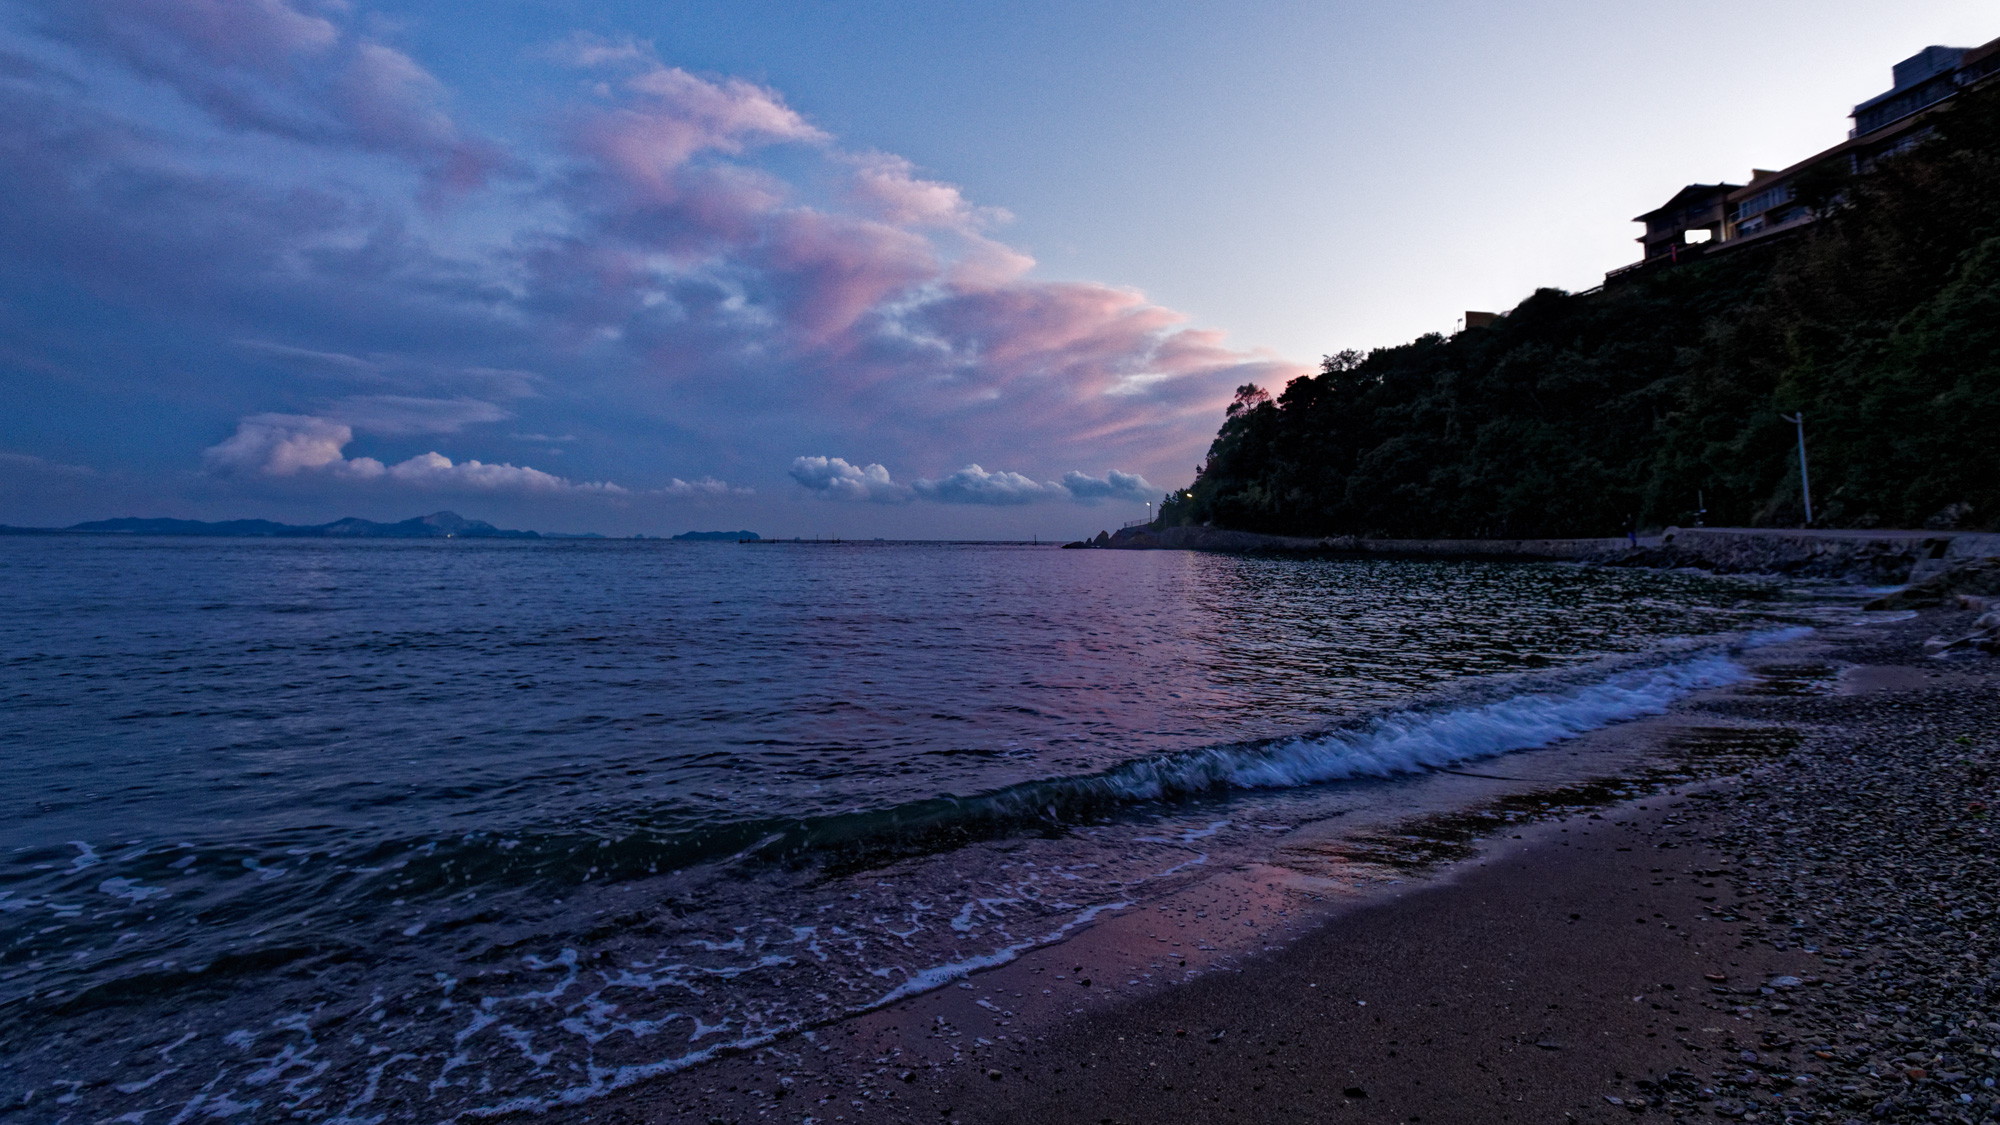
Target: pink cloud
{"x": 394, "y": 105}
{"x": 1076, "y": 330}
{"x": 731, "y": 111}
{"x": 889, "y": 187}
{"x": 669, "y": 116}
{"x": 904, "y": 309}
{"x": 832, "y": 271}
{"x": 984, "y": 264}
{"x": 670, "y": 287}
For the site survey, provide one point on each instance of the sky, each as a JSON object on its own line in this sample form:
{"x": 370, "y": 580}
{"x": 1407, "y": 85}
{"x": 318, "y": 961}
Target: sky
{"x": 930, "y": 270}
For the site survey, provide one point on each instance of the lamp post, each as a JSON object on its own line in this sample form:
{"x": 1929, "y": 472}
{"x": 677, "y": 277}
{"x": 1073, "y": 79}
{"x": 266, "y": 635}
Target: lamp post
{"x": 1805, "y": 481}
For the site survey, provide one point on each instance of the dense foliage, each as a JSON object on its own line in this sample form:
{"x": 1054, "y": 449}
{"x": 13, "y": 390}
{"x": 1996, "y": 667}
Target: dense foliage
{"x": 1587, "y": 414}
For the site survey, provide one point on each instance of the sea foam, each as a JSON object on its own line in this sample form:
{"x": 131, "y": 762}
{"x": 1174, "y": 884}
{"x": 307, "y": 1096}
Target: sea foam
{"x": 1402, "y": 742}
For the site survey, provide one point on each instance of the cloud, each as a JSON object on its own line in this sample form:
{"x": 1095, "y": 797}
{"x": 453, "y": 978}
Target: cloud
{"x": 267, "y": 66}
{"x": 974, "y": 485}
{"x": 693, "y": 275}
{"x": 398, "y": 371}
{"x": 839, "y": 479}
{"x": 1114, "y": 485}
{"x": 888, "y": 186}
{"x": 587, "y": 51}
{"x": 334, "y": 364}
{"x": 836, "y": 478}
{"x": 281, "y": 445}
{"x": 640, "y": 147}
{"x": 403, "y": 415}
{"x": 827, "y": 273}
{"x": 301, "y": 445}
{"x": 35, "y": 491}
{"x": 28, "y": 463}
{"x": 706, "y": 486}
{"x": 435, "y": 470}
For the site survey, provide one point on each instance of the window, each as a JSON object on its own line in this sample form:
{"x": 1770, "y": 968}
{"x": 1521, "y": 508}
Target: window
{"x": 1763, "y": 201}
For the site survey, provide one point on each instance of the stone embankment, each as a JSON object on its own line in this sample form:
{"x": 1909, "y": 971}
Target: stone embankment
{"x": 1217, "y": 539}
{"x": 1878, "y": 557}
{"x": 1875, "y": 557}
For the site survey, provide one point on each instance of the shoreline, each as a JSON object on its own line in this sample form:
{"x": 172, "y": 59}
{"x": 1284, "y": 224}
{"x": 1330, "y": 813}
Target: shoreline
{"x": 1873, "y": 557}
{"x": 997, "y": 1045}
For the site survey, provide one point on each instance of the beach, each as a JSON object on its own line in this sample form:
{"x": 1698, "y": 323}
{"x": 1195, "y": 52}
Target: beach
{"x": 1800, "y": 927}
{"x": 603, "y": 563}
{"x": 1087, "y": 836}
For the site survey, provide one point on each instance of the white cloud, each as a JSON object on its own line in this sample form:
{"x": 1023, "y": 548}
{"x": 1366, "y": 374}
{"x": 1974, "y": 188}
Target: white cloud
{"x": 1114, "y": 485}
{"x": 302, "y": 445}
{"x": 835, "y": 477}
{"x": 435, "y": 470}
{"x": 974, "y": 485}
{"x": 280, "y": 445}
{"x": 706, "y": 486}
{"x": 839, "y": 479}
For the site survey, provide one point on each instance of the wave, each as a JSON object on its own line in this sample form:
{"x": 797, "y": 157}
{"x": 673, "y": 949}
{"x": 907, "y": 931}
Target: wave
{"x": 1401, "y": 743}
{"x": 1404, "y": 742}
{"x": 1533, "y": 714}
{"x": 601, "y": 1080}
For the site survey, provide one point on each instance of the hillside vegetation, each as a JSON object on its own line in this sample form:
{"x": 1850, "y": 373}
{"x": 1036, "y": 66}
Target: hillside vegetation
{"x": 1586, "y": 414}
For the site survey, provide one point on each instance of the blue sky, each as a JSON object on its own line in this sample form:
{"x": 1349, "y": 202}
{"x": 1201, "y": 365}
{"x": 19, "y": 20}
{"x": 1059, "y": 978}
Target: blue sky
{"x": 941, "y": 269}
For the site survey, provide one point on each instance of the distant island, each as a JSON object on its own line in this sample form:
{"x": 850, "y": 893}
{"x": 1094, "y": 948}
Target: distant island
{"x": 437, "y": 525}
{"x": 717, "y": 536}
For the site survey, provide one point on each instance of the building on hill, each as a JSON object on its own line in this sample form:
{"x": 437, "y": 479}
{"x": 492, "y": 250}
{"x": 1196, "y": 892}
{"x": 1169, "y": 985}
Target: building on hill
{"x": 1694, "y": 217}
{"x": 1921, "y": 81}
{"x": 1704, "y": 219}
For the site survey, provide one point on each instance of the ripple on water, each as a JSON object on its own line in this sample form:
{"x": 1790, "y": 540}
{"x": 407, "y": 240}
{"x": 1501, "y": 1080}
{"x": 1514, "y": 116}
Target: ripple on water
{"x": 412, "y": 829}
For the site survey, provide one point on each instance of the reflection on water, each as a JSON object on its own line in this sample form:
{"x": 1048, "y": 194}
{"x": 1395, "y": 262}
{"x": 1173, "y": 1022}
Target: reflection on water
{"x": 413, "y": 828}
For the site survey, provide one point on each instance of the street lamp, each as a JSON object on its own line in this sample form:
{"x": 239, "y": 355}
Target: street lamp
{"x": 1805, "y": 481}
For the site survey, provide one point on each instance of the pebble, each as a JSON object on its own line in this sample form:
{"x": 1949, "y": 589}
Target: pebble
{"x": 1870, "y": 849}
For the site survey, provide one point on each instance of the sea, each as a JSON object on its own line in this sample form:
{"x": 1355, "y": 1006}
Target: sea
{"x": 355, "y": 831}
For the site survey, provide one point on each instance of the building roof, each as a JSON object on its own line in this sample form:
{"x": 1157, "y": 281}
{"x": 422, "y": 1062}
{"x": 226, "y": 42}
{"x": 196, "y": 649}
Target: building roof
{"x": 1926, "y": 65}
{"x": 1763, "y": 176}
{"x": 1685, "y": 196}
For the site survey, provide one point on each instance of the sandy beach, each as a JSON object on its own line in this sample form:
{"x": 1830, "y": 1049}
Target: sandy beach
{"x": 1800, "y": 926}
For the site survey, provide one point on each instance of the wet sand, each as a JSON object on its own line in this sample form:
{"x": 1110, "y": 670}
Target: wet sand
{"x": 1800, "y": 927}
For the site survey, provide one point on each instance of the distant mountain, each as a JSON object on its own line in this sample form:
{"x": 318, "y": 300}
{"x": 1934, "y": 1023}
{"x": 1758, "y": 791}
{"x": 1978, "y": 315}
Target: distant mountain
{"x": 716, "y": 536}
{"x": 438, "y": 525}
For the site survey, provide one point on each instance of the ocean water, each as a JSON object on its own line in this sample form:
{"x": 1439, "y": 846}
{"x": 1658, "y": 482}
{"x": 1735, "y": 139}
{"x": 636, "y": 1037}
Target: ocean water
{"x": 427, "y": 831}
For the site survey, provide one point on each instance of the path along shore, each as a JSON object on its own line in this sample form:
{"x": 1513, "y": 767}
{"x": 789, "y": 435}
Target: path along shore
{"x": 1789, "y": 915}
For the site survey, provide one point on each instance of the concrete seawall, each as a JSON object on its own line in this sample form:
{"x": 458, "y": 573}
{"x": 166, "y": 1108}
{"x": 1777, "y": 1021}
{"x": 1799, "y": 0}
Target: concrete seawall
{"x": 1881, "y": 557}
